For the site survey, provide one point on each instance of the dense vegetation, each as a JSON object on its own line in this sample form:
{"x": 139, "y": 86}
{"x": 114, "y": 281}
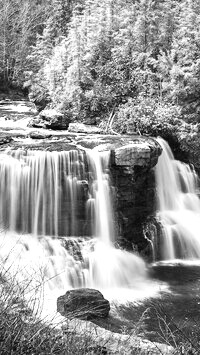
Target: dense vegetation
{"x": 91, "y": 59}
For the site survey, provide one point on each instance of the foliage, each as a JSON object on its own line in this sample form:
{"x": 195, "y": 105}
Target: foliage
{"x": 23, "y": 332}
{"x": 89, "y": 58}
{"x": 147, "y": 115}
{"x": 184, "y": 338}
{"x": 20, "y": 21}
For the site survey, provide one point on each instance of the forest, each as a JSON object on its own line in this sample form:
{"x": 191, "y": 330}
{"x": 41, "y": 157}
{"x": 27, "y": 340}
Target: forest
{"x": 93, "y": 60}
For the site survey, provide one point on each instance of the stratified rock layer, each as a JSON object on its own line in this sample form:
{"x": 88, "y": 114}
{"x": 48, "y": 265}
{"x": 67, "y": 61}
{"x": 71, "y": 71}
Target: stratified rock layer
{"x": 135, "y": 194}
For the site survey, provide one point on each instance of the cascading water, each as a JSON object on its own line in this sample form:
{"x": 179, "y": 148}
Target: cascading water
{"x": 40, "y": 192}
{"x": 109, "y": 267}
{"x": 48, "y": 202}
{"x": 179, "y": 207}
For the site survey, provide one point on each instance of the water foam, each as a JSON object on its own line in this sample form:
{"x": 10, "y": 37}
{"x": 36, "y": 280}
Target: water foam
{"x": 178, "y": 207}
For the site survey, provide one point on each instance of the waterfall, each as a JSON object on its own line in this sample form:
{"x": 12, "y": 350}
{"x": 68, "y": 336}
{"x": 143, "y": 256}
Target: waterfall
{"x": 57, "y": 221}
{"x": 102, "y": 199}
{"x": 178, "y": 207}
{"x": 36, "y": 189}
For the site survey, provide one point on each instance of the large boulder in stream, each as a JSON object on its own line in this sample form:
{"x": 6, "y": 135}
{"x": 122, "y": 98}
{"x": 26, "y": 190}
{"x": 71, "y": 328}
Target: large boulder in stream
{"x": 50, "y": 118}
{"x": 83, "y": 303}
{"x": 39, "y": 135}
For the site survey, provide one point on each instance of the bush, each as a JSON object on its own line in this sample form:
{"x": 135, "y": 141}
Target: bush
{"x": 146, "y": 115}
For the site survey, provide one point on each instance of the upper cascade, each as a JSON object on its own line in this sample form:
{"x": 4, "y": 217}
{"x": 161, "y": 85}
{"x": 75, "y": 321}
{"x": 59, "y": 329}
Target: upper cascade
{"x": 178, "y": 207}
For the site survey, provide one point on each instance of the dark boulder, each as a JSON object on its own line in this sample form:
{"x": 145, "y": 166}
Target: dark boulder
{"x": 39, "y": 135}
{"x": 83, "y": 303}
{"x": 5, "y": 140}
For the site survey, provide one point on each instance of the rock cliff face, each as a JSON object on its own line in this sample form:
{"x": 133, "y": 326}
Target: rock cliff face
{"x": 134, "y": 182}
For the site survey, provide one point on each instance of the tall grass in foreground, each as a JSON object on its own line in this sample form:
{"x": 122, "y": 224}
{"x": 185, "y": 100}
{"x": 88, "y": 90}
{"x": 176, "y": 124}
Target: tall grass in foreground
{"x": 183, "y": 335}
{"x": 23, "y": 332}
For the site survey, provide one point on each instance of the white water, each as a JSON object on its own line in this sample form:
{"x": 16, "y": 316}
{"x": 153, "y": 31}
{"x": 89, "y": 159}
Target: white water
{"x": 179, "y": 207}
{"x": 36, "y": 186}
{"x": 37, "y": 190}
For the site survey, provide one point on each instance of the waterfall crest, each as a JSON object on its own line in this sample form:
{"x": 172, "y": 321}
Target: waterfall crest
{"x": 178, "y": 207}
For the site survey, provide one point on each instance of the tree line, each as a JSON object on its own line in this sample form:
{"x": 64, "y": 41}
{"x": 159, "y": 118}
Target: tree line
{"x": 91, "y": 59}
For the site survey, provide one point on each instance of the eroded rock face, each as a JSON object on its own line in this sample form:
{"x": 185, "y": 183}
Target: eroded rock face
{"x": 84, "y": 303}
{"x": 143, "y": 153}
{"x": 135, "y": 194}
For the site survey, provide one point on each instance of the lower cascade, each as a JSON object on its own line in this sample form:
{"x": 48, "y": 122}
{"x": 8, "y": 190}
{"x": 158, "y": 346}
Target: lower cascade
{"x": 179, "y": 207}
{"x": 57, "y": 222}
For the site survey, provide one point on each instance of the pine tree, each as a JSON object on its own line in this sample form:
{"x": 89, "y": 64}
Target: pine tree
{"x": 20, "y": 21}
{"x": 184, "y": 75}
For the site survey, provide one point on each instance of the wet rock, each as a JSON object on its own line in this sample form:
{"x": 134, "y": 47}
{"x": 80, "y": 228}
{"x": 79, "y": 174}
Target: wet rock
{"x": 84, "y": 303}
{"x": 135, "y": 201}
{"x": 37, "y": 122}
{"x": 83, "y": 128}
{"x": 39, "y": 135}
{"x": 132, "y": 175}
{"x": 5, "y": 140}
{"x": 50, "y": 118}
{"x": 141, "y": 153}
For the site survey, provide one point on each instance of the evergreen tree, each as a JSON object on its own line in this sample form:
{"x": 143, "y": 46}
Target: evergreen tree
{"x": 184, "y": 71}
{"x": 20, "y": 21}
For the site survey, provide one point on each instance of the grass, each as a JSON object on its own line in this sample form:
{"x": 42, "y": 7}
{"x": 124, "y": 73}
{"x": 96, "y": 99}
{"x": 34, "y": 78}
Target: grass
{"x": 184, "y": 338}
{"x": 23, "y": 332}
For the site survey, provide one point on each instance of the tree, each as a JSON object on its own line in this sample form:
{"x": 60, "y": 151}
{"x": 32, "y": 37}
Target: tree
{"x": 183, "y": 75}
{"x": 20, "y": 21}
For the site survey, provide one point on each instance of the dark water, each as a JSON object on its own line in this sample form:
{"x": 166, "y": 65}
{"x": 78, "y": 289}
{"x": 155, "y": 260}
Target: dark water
{"x": 173, "y": 316}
